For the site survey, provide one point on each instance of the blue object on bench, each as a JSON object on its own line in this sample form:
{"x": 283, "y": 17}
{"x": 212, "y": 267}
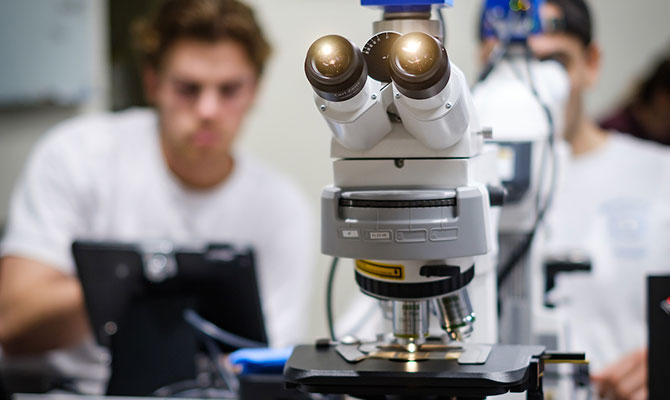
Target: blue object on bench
{"x": 261, "y": 361}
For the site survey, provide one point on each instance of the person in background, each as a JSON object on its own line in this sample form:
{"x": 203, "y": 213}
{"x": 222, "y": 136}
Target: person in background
{"x": 610, "y": 203}
{"x": 647, "y": 114}
{"x": 169, "y": 172}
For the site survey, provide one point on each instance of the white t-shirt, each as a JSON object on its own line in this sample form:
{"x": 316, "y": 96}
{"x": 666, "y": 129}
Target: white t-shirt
{"x": 612, "y": 204}
{"x": 103, "y": 177}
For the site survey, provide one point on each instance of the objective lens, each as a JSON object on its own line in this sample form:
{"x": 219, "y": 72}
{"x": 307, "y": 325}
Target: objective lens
{"x": 335, "y": 68}
{"x": 419, "y": 65}
{"x": 410, "y": 321}
{"x": 456, "y": 315}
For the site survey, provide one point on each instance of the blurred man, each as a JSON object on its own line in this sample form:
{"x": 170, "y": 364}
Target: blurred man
{"x": 610, "y": 203}
{"x": 168, "y": 173}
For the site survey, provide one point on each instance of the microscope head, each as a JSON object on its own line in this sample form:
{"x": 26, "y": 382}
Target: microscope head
{"x": 411, "y": 85}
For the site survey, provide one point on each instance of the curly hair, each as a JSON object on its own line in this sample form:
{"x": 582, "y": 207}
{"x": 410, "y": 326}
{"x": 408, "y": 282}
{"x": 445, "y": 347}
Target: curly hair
{"x": 577, "y": 19}
{"x": 204, "y": 20}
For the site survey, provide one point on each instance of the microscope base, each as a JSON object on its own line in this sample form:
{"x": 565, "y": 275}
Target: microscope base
{"x": 509, "y": 368}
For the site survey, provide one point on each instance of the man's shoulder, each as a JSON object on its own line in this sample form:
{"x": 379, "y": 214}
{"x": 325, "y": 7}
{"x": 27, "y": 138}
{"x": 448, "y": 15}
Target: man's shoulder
{"x": 91, "y": 140}
{"x": 95, "y": 126}
{"x": 648, "y": 159}
{"x": 635, "y": 146}
{"x": 633, "y": 153}
{"x": 269, "y": 182}
{"x": 271, "y": 199}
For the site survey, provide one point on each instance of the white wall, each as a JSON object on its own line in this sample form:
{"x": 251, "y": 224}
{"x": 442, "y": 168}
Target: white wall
{"x": 632, "y": 36}
{"x": 21, "y": 127}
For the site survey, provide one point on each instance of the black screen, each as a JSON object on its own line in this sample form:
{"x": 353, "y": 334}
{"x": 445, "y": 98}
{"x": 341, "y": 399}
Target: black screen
{"x": 659, "y": 337}
{"x": 141, "y": 320}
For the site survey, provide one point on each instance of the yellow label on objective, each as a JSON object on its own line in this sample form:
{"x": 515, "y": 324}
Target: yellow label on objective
{"x": 385, "y": 271}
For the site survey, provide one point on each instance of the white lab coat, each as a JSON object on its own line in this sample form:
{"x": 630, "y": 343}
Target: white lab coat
{"x": 613, "y": 205}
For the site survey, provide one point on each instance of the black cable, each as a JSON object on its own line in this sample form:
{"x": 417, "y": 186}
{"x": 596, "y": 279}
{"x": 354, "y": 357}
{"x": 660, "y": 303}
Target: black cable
{"x": 176, "y": 387}
{"x": 329, "y": 299}
{"x": 551, "y": 141}
{"x": 215, "y": 355}
{"x": 208, "y": 332}
{"x": 499, "y": 52}
{"x": 211, "y": 330}
{"x": 440, "y": 16}
{"x": 520, "y": 251}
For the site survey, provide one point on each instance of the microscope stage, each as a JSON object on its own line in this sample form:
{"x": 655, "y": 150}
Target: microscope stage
{"x": 323, "y": 370}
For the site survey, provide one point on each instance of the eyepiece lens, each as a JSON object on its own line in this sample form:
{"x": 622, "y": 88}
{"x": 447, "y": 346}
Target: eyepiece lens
{"x": 416, "y": 53}
{"x": 419, "y": 65}
{"x": 335, "y": 68}
{"x": 331, "y": 56}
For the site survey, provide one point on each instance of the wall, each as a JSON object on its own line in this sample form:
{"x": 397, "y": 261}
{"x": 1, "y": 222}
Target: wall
{"x": 21, "y": 126}
{"x": 632, "y": 36}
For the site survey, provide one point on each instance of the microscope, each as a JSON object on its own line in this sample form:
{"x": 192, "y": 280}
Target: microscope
{"x": 524, "y": 99}
{"x": 412, "y": 203}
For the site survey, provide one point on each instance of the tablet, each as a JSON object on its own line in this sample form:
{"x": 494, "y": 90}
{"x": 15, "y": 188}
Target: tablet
{"x": 136, "y": 295}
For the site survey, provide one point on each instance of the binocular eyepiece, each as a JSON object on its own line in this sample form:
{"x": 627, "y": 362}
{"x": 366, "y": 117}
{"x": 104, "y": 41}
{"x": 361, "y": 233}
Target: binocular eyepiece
{"x": 424, "y": 91}
{"x": 417, "y": 62}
